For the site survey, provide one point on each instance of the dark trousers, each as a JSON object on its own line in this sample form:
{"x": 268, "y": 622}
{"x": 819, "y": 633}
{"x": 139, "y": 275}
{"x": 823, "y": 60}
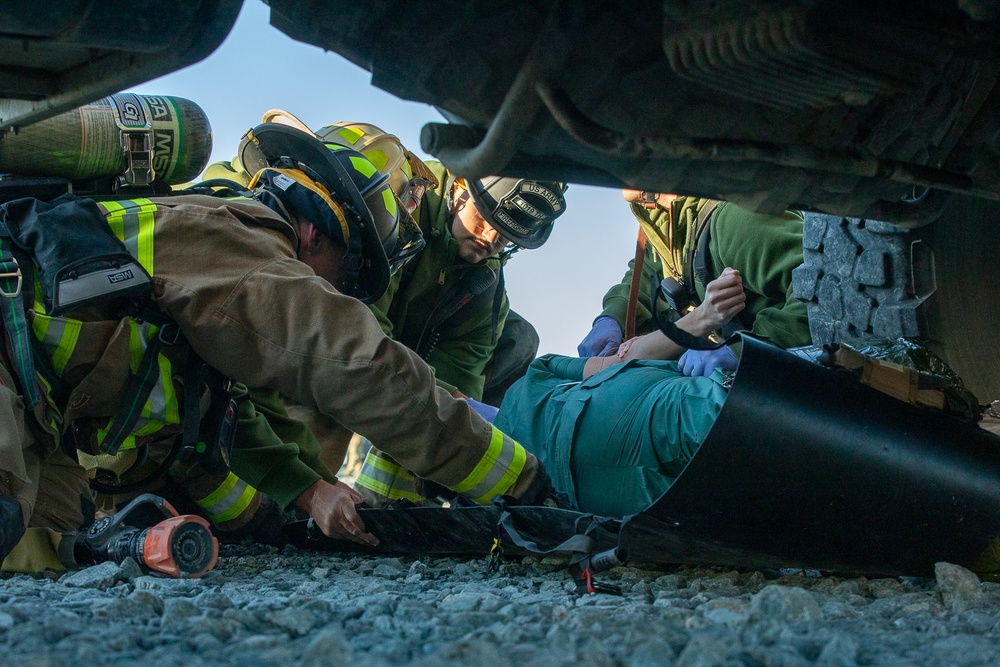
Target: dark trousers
{"x": 516, "y": 349}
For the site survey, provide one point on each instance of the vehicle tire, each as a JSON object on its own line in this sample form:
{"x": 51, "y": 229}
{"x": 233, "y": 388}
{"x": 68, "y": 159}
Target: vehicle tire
{"x": 869, "y": 279}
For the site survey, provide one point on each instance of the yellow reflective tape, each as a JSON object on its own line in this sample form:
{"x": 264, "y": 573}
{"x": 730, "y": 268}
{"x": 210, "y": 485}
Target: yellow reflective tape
{"x": 58, "y": 336}
{"x": 136, "y": 346}
{"x": 111, "y": 206}
{"x": 509, "y": 476}
{"x": 221, "y": 492}
{"x": 67, "y": 344}
{"x": 238, "y": 508}
{"x": 40, "y": 325}
{"x": 146, "y": 225}
{"x": 490, "y": 461}
{"x": 385, "y": 465}
{"x": 171, "y": 407}
{"x": 146, "y": 427}
{"x": 102, "y": 433}
{"x": 384, "y": 490}
{"x": 389, "y": 199}
{"x": 363, "y": 165}
{"x": 350, "y": 134}
{"x": 39, "y": 296}
{"x": 485, "y": 463}
{"x": 377, "y": 158}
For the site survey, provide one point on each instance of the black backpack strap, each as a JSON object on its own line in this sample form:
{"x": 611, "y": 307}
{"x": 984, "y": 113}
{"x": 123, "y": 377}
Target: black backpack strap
{"x": 14, "y": 275}
{"x": 139, "y": 388}
{"x": 697, "y": 256}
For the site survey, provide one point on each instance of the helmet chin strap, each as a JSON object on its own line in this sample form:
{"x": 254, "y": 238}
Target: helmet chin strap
{"x": 353, "y": 262}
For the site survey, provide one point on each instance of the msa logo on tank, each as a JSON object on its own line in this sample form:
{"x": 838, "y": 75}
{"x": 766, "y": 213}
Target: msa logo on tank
{"x": 164, "y": 134}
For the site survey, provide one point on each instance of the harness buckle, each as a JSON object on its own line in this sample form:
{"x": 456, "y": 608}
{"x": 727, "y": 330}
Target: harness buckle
{"x": 16, "y": 273}
{"x": 169, "y": 333}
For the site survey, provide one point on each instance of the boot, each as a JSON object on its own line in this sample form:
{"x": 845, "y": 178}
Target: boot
{"x": 11, "y": 524}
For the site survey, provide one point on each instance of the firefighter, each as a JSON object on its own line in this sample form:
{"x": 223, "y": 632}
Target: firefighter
{"x": 449, "y": 305}
{"x": 269, "y": 291}
{"x": 691, "y": 243}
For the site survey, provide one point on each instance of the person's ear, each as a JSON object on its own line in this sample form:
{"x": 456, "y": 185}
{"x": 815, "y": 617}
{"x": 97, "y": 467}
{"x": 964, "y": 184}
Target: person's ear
{"x": 308, "y": 237}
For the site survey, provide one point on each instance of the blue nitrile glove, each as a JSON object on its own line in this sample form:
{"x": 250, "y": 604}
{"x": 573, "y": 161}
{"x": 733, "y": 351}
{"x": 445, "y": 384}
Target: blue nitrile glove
{"x": 603, "y": 339}
{"x": 487, "y": 412}
{"x": 703, "y": 362}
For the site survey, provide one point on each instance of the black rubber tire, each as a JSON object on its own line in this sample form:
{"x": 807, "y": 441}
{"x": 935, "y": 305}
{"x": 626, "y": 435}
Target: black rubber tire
{"x": 865, "y": 278}
{"x": 857, "y": 280}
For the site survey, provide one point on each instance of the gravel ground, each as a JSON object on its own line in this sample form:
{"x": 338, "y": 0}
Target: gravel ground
{"x": 262, "y": 607}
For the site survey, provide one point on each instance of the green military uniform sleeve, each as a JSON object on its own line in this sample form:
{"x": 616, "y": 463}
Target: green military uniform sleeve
{"x": 765, "y": 249}
{"x": 272, "y": 452}
{"x": 460, "y": 358}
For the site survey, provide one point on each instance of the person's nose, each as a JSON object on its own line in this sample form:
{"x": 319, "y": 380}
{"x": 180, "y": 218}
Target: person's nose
{"x": 489, "y": 234}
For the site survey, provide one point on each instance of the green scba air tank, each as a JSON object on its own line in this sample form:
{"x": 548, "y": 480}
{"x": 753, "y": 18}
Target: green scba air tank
{"x": 142, "y": 137}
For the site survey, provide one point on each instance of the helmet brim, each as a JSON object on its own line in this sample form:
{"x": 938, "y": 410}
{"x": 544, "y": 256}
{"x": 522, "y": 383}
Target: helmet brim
{"x": 529, "y": 242}
{"x": 266, "y": 144}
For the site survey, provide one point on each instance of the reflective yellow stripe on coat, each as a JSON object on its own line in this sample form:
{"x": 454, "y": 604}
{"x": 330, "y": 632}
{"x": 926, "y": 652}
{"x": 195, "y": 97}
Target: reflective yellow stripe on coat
{"x": 386, "y": 479}
{"x": 228, "y": 501}
{"x": 496, "y": 472}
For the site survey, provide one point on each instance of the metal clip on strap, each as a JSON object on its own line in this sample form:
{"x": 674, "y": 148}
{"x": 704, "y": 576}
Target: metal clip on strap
{"x": 16, "y": 273}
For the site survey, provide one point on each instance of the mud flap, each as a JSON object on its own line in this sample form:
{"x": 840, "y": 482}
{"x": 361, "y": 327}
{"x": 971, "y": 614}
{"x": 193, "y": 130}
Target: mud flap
{"x": 805, "y": 467}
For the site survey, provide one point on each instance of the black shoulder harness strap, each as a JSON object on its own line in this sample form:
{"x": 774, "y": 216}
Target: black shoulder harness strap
{"x": 697, "y": 256}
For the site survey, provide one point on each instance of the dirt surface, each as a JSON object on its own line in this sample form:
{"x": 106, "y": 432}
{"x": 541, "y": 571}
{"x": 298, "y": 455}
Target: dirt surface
{"x": 263, "y": 607}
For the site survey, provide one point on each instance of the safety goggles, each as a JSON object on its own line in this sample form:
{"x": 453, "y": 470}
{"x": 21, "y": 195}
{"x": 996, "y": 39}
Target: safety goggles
{"x": 413, "y": 192}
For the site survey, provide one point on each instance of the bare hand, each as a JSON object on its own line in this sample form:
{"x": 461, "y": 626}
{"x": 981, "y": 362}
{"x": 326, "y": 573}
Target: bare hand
{"x": 332, "y": 507}
{"x": 724, "y": 299}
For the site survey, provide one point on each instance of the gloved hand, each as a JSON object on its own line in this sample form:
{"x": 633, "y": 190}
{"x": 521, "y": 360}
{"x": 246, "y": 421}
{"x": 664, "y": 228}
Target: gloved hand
{"x": 703, "y": 362}
{"x": 487, "y": 412}
{"x": 603, "y": 339}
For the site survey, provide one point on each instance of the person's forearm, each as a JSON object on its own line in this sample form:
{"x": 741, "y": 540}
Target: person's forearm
{"x": 699, "y": 322}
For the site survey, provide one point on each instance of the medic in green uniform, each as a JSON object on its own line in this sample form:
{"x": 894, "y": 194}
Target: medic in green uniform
{"x": 760, "y": 249}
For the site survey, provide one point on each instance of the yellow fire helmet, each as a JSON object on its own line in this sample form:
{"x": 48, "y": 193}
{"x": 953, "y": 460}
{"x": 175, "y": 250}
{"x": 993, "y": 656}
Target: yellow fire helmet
{"x": 338, "y": 190}
{"x": 409, "y": 177}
